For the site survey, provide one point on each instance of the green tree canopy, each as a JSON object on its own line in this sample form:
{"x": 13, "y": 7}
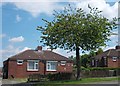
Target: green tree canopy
{"x": 74, "y": 29}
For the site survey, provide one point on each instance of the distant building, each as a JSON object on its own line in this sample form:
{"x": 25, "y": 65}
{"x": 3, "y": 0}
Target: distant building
{"x": 35, "y": 62}
{"x": 109, "y": 58}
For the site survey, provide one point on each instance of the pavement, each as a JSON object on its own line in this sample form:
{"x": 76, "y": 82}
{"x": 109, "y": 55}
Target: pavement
{"x": 0, "y": 81}
{"x": 106, "y": 82}
{"x": 6, "y": 82}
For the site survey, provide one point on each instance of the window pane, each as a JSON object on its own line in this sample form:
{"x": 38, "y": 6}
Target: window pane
{"x": 63, "y": 62}
{"x": 31, "y": 65}
{"x": 114, "y": 58}
{"x": 51, "y": 66}
{"x": 48, "y": 66}
{"x": 36, "y": 66}
{"x": 19, "y": 61}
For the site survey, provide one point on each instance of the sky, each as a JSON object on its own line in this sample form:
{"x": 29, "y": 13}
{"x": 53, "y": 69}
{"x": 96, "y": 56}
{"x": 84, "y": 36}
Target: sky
{"x": 20, "y": 18}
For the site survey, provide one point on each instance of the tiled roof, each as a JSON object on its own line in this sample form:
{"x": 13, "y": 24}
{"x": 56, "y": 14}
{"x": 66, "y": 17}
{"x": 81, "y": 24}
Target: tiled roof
{"x": 39, "y": 54}
{"x": 108, "y": 53}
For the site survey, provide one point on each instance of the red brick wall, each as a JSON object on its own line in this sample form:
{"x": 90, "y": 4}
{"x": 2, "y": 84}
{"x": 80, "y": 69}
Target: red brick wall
{"x": 113, "y": 64}
{"x": 62, "y": 68}
{"x": 65, "y": 68}
{"x": 12, "y": 69}
{"x": 20, "y": 71}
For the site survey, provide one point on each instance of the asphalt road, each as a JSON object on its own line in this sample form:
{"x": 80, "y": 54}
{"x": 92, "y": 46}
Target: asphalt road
{"x": 61, "y": 85}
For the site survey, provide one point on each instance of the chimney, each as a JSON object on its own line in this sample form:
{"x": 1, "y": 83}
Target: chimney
{"x": 39, "y": 48}
{"x": 117, "y": 47}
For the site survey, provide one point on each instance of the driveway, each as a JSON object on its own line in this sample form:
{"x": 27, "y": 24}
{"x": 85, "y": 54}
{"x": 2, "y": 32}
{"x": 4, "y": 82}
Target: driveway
{"x": 12, "y": 81}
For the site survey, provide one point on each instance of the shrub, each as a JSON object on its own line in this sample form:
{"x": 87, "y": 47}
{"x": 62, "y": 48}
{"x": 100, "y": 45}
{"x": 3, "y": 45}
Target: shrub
{"x": 59, "y": 76}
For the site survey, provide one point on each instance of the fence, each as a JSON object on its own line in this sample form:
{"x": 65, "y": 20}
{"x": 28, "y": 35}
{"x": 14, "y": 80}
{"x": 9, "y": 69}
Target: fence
{"x": 99, "y": 73}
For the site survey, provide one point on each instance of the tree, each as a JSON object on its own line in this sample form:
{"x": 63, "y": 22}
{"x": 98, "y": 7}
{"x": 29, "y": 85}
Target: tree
{"x": 73, "y": 29}
{"x": 85, "y": 60}
{"x": 100, "y": 50}
{"x": 73, "y": 59}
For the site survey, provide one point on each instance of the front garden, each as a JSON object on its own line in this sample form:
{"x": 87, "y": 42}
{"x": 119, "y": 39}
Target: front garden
{"x": 88, "y": 75}
{"x": 74, "y": 82}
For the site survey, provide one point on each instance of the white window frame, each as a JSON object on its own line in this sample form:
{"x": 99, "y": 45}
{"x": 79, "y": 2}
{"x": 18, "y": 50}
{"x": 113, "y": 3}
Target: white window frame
{"x": 48, "y": 63}
{"x": 36, "y": 62}
{"x": 19, "y": 62}
{"x": 63, "y": 62}
{"x": 114, "y": 58}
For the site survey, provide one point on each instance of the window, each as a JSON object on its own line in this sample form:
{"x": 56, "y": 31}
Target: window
{"x": 105, "y": 61}
{"x": 63, "y": 62}
{"x": 51, "y": 65}
{"x": 93, "y": 62}
{"x": 114, "y": 58}
{"x": 19, "y": 62}
{"x": 32, "y": 65}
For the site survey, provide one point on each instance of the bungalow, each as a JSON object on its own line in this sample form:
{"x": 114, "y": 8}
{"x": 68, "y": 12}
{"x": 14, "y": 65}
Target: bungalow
{"x": 109, "y": 58}
{"x": 36, "y": 61}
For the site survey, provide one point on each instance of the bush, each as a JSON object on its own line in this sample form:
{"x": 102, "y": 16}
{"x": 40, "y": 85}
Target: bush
{"x": 59, "y": 76}
{"x": 37, "y": 77}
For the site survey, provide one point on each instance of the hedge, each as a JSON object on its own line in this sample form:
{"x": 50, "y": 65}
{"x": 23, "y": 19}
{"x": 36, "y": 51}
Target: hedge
{"x": 99, "y": 68}
{"x": 59, "y": 76}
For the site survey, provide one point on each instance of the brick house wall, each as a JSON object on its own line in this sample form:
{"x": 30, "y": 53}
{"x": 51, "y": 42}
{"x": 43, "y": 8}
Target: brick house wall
{"x": 110, "y": 57}
{"x": 65, "y": 68}
{"x": 20, "y": 71}
{"x": 113, "y": 64}
{"x": 62, "y": 68}
{"x": 16, "y": 66}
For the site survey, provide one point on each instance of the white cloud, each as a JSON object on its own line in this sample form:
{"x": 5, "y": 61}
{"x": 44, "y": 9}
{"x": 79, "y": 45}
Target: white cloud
{"x": 2, "y": 35}
{"x": 25, "y": 48}
{"x": 29, "y": 1}
{"x": 113, "y": 37}
{"x": 11, "y": 50}
{"x": 65, "y": 53}
{"x": 62, "y": 52}
{"x": 18, "y": 18}
{"x": 108, "y": 47}
{"x": 17, "y": 39}
{"x": 108, "y": 11}
{"x": 35, "y": 8}
{"x": 46, "y": 6}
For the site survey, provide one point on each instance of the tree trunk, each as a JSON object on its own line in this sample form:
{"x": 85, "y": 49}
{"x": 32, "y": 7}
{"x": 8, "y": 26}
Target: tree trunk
{"x": 78, "y": 63}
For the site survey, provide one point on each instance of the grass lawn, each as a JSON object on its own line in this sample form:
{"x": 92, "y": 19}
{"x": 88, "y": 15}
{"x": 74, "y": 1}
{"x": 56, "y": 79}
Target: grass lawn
{"x": 83, "y": 81}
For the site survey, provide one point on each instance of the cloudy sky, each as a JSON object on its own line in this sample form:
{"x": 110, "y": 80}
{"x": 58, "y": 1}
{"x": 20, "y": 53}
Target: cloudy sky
{"x": 21, "y": 17}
